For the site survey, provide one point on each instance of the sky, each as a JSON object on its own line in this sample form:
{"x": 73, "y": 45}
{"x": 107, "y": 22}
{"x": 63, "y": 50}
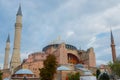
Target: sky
{"x": 82, "y": 23}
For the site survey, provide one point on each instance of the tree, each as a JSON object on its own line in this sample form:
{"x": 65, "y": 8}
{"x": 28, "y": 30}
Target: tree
{"x": 97, "y": 73}
{"x": 115, "y": 68}
{"x": 1, "y": 75}
{"x": 104, "y": 76}
{"x": 75, "y": 76}
{"x": 49, "y": 69}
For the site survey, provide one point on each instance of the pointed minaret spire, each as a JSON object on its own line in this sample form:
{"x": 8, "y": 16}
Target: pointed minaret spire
{"x": 8, "y": 39}
{"x": 19, "y": 11}
{"x": 113, "y": 47}
{"x": 7, "y": 51}
{"x": 112, "y": 38}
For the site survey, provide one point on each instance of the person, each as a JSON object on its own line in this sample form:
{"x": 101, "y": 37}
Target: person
{"x": 25, "y": 78}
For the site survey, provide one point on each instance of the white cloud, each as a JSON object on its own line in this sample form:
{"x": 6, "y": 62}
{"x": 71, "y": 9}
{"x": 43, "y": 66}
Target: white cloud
{"x": 119, "y": 47}
{"x": 101, "y": 62}
{"x": 70, "y": 33}
{"x": 91, "y": 41}
{"x": 77, "y": 21}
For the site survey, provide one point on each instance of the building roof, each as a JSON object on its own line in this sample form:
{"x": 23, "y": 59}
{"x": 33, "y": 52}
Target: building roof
{"x": 6, "y": 79}
{"x": 87, "y": 73}
{"x": 24, "y": 71}
{"x": 112, "y": 38}
{"x": 79, "y": 66}
{"x": 19, "y": 11}
{"x": 68, "y": 46}
{"x": 8, "y": 39}
{"x": 88, "y": 78}
{"x": 62, "y": 68}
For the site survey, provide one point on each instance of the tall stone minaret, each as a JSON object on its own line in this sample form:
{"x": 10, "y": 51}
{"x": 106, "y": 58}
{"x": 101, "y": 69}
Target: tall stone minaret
{"x": 15, "y": 60}
{"x": 113, "y": 48}
{"x": 7, "y": 51}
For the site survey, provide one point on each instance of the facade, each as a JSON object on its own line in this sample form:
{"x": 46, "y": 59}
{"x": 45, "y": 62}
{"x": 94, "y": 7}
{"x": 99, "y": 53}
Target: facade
{"x": 66, "y": 54}
{"x": 6, "y": 73}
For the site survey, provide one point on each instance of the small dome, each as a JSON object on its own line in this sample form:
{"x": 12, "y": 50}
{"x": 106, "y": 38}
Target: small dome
{"x": 87, "y": 73}
{"x": 63, "y": 68}
{"x": 24, "y": 71}
{"x": 79, "y": 66}
{"x": 6, "y": 79}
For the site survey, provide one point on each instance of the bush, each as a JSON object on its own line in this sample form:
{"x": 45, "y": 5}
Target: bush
{"x": 115, "y": 67}
{"x": 75, "y": 76}
{"x": 1, "y": 75}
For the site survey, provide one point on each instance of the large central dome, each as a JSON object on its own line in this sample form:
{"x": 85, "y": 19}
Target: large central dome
{"x": 68, "y": 46}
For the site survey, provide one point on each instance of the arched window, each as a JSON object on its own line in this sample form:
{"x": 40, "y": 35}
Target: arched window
{"x": 72, "y": 59}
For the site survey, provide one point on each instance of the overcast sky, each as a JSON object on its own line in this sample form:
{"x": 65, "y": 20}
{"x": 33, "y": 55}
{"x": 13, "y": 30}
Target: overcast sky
{"x": 82, "y": 23}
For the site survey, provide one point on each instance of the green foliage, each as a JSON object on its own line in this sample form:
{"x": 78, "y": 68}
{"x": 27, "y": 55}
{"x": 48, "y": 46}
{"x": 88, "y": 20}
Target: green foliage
{"x": 97, "y": 73}
{"x": 104, "y": 76}
{"x": 49, "y": 69}
{"x": 75, "y": 76}
{"x": 115, "y": 67}
{"x": 1, "y": 75}
{"x": 94, "y": 74}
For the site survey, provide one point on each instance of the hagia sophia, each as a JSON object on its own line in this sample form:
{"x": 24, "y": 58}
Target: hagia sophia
{"x": 66, "y": 54}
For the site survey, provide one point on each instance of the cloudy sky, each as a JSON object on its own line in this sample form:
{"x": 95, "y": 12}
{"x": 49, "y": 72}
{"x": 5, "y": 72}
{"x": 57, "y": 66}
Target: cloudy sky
{"x": 82, "y": 23}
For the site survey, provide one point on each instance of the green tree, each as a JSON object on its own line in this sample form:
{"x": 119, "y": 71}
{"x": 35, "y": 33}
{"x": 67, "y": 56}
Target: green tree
{"x": 1, "y": 75}
{"x": 75, "y": 76}
{"x": 104, "y": 76}
{"x": 115, "y": 67}
{"x": 49, "y": 69}
{"x": 97, "y": 73}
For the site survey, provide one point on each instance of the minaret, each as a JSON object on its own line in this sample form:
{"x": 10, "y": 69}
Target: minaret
{"x": 113, "y": 48}
{"x": 15, "y": 60}
{"x": 7, "y": 51}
